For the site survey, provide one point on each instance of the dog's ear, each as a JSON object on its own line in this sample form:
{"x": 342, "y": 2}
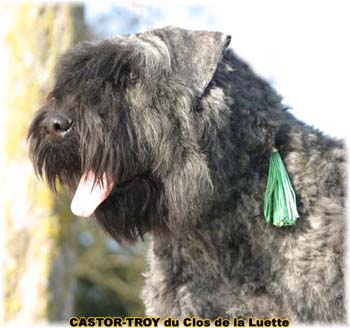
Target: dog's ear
{"x": 194, "y": 55}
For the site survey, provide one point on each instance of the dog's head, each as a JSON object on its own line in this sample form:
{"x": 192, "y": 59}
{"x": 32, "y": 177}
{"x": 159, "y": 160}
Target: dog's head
{"x": 119, "y": 128}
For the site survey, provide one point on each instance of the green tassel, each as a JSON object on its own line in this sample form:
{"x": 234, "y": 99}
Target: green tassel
{"x": 280, "y": 200}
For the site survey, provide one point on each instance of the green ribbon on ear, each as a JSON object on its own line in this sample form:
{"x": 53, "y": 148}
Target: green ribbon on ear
{"x": 280, "y": 201}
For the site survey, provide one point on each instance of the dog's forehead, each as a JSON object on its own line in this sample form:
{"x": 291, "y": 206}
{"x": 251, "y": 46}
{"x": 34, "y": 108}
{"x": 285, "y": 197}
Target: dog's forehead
{"x": 151, "y": 47}
{"x": 146, "y": 42}
{"x": 189, "y": 58}
{"x": 145, "y": 39}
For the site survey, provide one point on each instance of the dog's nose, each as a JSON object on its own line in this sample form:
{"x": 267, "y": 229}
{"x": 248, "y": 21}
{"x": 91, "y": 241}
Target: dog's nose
{"x": 58, "y": 124}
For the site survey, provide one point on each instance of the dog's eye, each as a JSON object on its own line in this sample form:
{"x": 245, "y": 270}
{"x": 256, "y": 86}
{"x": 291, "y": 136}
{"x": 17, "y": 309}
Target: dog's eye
{"x": 133, "y": 77}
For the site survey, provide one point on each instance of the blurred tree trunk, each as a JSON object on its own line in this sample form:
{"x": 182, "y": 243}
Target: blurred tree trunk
{"x": 38, "y": 234}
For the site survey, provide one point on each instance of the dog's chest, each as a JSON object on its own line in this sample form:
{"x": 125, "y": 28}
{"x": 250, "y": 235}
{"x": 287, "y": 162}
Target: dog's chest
{"x": 203, "y": 277}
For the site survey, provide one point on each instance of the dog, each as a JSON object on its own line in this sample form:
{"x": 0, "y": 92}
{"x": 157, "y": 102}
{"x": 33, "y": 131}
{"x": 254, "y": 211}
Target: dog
{"x": 168, "y": 134}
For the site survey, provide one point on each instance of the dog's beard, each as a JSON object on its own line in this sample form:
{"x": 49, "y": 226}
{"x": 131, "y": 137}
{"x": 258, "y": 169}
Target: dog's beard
{"x": 133, "y": 209}
{"x": 127, "y": 205}
{"x": 126, "y": 211}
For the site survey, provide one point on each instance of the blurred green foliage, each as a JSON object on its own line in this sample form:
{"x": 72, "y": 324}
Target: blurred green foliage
{"x": 109, "y": 277}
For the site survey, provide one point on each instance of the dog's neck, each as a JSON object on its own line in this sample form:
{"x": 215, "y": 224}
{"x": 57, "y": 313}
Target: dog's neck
{"x": 241, "y": 130}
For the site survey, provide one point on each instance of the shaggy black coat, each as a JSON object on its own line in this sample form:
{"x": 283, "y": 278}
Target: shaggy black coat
{"x": 185, "y": 129}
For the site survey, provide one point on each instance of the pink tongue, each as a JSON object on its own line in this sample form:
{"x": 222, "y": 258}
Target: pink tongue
{"x": 88, "y": 196}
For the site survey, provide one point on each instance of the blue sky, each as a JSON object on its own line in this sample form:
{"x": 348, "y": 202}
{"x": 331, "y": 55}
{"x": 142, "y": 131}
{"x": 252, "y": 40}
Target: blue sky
{"x": 301, "y": 47}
